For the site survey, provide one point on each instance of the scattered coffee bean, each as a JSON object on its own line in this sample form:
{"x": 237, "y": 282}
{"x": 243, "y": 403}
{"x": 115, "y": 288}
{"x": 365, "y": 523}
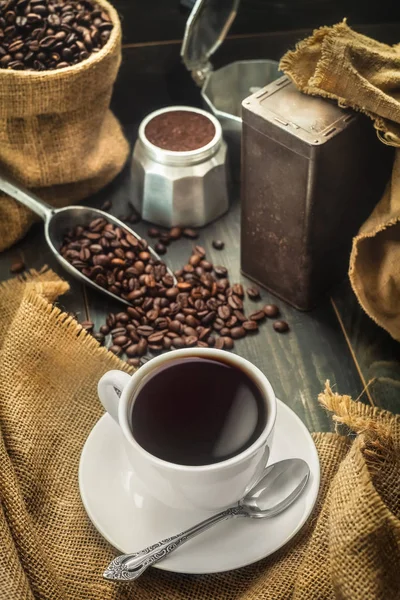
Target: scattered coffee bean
{"x": 154, "y": 232}
{"x": 280, "y": 326}
{"x": 106, "y": 205}
{"x": 228, "y": 343}
{"x": 99, "y": 337}
{"x": 50, "y": 34}
{"x": 116, "y": 350}
{"x": 250, "y": 325}
{"x": 220, "y": 271}
{"x": 88, "y": 325}
{"x": 257, "y": 316}
{"x": 238, "y": 332}
{"x": 218, "y": 244}
{"x": 160, "y": 248}
{"x": 271, "y": 311}
{"x": 253, "y": 293}
{"x": 219, "y": 343}
{"x": 175, "y": 233}
{"x": 17, "y": 267}
{"x": 192, "y": 234}
{"x": 133, "y": 362}
{"x": 199, "y": 250}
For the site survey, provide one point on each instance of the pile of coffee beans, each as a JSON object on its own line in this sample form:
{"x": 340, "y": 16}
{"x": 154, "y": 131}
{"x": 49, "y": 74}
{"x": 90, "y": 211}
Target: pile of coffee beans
{"x": 39, "y": 35}
{"x": 200, "y": 308}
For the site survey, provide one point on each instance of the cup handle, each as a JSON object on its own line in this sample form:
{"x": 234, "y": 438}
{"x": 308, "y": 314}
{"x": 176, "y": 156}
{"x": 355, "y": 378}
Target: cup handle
{"x": 110, "y": 388}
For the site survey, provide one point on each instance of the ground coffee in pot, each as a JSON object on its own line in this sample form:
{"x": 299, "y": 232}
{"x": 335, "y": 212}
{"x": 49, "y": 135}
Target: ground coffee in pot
{"x": 180, "y": 130}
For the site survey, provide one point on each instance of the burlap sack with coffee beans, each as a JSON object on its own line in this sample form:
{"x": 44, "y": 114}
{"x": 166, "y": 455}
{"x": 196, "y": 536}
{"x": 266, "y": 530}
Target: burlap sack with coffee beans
{"x": 340, "y": 64}
{"x": 57, "y": 133}
{"x": 49, "y": 368}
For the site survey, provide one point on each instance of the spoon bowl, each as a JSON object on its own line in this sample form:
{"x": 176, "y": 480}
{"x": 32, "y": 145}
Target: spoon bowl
{"x": 57, "y": 221}
{"x": 280, "y": 485}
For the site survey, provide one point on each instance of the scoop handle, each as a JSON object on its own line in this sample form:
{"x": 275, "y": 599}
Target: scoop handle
{"x": 13, "y": 188}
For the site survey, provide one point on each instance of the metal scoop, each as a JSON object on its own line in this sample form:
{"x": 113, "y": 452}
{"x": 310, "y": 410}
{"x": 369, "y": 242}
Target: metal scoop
{"x": 57, "y": 221}
{"x": 279, "y": 487}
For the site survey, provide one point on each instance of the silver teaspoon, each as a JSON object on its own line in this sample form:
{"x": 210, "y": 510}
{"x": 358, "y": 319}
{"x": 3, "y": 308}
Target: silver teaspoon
{"x": 57, "y": 221}
{"x": 279, "y": 487}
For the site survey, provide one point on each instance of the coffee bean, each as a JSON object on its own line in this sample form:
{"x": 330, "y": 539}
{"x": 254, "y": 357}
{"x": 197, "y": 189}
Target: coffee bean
{"x": 175, "y": 233}
{"x": 153, "y": 232}
{"x": 250, "y": 325}
{"x": 228, "y": 343}
{"x": 218, "y": 245}
{"x": 280, "y": 326}
{"x": 220, "y": 271}
{"x": 257, "y": 316}
{"x": 131, "y": 350}
{"x": 199, "y": 250}
{"x": 145, "y": 330}
{"x": 271, "y": 310}
{"x": 238, "y": 332}
{"x": 253, "y": 292}
{"x": 99, "y": 337}
{"x": 178, "y": 343}
{"x": 224, "y": 312}
{"x": 190, "y": 233}
{"x": 219, "y": 343}
{"x": 104, "y": 329}
{"x": 17, "y": 267}
{"x": 116, "y": 350}
{"x": 133, "y": 362}
{"x": 235, "y": 302}
{"x": 107, "y": 204}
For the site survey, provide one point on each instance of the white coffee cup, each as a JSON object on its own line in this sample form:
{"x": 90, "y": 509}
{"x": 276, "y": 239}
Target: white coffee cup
{"x": 210, "y": 487}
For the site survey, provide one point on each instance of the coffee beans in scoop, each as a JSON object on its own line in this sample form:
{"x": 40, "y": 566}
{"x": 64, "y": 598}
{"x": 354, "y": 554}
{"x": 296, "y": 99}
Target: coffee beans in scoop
{"x": 40, "y": 35}
{"x": 116, "y": 260}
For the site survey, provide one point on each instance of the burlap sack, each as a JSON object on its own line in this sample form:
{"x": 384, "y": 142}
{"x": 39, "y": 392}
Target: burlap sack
{"x": 340, "y": 64}
{"x": 49, "y": 368}
{"x": 57, "y": 133}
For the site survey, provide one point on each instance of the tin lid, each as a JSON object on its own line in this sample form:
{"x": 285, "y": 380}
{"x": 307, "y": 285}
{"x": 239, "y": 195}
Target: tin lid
{"x": 206, "y": 28}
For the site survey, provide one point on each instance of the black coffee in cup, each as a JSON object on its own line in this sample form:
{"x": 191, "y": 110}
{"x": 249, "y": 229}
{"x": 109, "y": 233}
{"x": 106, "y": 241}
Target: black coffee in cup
{"x": 197, "y": 411}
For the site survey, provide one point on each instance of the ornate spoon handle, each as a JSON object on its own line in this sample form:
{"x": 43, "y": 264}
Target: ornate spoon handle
{"x": 127, "y": 567}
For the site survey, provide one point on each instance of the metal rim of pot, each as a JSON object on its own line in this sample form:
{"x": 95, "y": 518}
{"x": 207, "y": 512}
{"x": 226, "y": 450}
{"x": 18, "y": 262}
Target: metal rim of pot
{"x": 187, "y": 157}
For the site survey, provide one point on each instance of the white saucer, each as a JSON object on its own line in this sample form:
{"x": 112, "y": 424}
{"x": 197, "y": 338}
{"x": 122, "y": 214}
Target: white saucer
{"x": 131, "y": 520}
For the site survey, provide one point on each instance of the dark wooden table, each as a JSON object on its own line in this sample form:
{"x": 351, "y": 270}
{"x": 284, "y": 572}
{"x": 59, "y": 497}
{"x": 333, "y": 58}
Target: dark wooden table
{"x": 336, "y": 341}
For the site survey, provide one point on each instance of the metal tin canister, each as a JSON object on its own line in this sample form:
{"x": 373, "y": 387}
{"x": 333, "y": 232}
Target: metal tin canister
{"x": 311, "y": 174}
{"x": 187, "y": 188}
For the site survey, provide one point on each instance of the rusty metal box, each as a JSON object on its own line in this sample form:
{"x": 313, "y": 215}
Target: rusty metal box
{"x": 311, "y": 174}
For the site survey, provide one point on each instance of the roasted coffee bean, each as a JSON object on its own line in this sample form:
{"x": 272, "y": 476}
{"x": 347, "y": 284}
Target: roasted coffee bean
{"x": 225, "y": 331}
{"x": 153, "y": 232}
{"x": 224, "y": 312}
{"x": 190, "y": 233}
{"x": 253, "y": 292}
{"x": 17, "y": 267}
{"x": 228, "y": 343}
{"x": 145, "y": 330}
{"x": 220, "y": 271}
{"x": 235, "y": 302}
{"x": 257, "y": 316}
{"x": 133, "y": 362}
{"x": 250, "y": 325}
{"x": 280, "y": 326}
{"x": 271, "y": 311}
{"x": 218, "y": 245}
{"x": 178, "y": 343}
{"x": 165, "y": 239}
{"x": 238, "y": 332}
{"x": 190, "y": 341}
{"x": 142, "y": 347}
{"x": 104, "y": 329}
{"x": 116, "y": 349}
{"x": 107, "y": 204}
{"x": 219, "y": 343}
{"x": 131, "y": 350}
{"x": 88, "y": 325}
{"x": 99, "y": 337}
{"x": 199, "y": 250}
{"x": 120, "y": 340}
{"x": 175, "y": 233}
